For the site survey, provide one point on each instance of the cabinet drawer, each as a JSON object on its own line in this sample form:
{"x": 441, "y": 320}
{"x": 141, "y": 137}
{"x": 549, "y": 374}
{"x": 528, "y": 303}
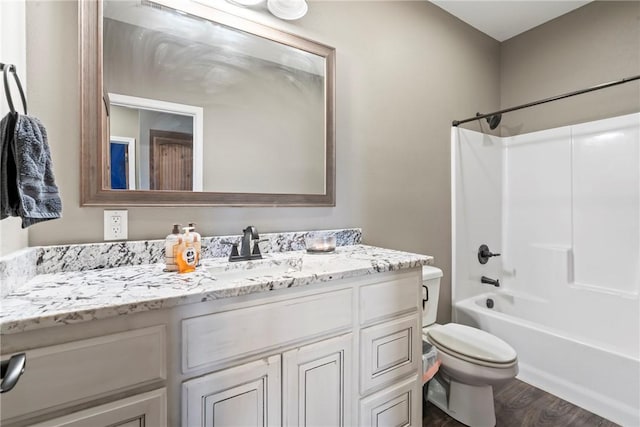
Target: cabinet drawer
{"x": 391, "y": 297}
{"x": 147, "y": 409}
{"x": 214, "y": 338}
{"x": 396, "y": 406}
{"x": 79, "y": 371}
{"x": 388, "y": 352}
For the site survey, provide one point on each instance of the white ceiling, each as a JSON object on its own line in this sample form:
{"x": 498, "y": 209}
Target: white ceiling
{"x": 507, "y": 18}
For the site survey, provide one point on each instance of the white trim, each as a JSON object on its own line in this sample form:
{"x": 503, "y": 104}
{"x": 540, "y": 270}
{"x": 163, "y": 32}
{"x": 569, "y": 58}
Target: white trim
{"x": 454, "y": 183}
{"x": 13, "y": 51}
{"x": 197, "y": 113}
{"x": 131, "y": 153}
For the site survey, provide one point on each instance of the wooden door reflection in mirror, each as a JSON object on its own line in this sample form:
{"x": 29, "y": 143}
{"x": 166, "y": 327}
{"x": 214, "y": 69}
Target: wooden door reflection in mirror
{"x": 171, "y": 160}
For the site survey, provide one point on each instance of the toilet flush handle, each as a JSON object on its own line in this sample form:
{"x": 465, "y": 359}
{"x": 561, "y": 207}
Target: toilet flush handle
{"x": 425, "y": 295}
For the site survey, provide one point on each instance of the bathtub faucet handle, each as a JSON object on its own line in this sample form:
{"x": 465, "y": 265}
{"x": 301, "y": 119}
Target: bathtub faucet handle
{"x": 488, "y": 281}
{"x": 484, "y": 254}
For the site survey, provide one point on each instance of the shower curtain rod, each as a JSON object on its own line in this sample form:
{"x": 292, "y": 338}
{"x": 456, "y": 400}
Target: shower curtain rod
{"x": 543, "y": 101}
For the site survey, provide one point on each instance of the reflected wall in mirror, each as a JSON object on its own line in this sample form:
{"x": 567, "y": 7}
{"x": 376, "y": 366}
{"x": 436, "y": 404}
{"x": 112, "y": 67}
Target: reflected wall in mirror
{"x": 264, "y": 134}
{"x": 168, "y": 152}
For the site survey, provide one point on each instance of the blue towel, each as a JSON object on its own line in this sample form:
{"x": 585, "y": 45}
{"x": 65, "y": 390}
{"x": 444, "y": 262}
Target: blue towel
{"x": 28, "y": 189}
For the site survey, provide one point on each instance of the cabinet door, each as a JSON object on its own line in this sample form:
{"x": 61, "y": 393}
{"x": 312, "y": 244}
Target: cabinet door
{"x": 146, "y": 409}
{"x": 247, "y": 395}
{"x": 317, "y": 384}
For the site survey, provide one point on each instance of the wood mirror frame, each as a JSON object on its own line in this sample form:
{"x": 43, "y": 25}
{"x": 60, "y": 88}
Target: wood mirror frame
{"x": 95, "y": 130}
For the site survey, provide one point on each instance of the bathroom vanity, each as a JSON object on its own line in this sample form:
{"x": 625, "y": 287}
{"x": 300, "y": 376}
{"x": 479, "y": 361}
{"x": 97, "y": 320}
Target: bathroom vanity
{"x": 293, "y": 339}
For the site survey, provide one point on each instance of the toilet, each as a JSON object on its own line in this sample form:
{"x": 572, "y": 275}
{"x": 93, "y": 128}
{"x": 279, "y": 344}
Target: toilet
{"x": 472, "y": 362}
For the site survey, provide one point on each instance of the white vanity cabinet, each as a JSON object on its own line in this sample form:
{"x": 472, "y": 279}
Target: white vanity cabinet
{"x": 341, "y": 354}
{"x": 390, "y": 367}
{"x": 306, "y": 386}
{"x": 337, "y": 353}
{"x": 300, "y": 367}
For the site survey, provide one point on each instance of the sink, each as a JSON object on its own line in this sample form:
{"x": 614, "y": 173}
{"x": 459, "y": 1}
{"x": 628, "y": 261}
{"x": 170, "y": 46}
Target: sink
{"x": 268, "y": 267}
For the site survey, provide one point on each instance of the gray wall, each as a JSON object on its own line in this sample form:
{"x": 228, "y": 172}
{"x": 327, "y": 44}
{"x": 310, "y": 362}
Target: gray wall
{"x": 404, "y": 71}
{"x": 597, "y": 43}
{"x": 124, "y": 122}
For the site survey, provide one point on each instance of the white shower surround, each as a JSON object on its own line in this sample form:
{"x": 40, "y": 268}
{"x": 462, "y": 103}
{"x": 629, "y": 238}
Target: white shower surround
{"x": 563, "y": 208}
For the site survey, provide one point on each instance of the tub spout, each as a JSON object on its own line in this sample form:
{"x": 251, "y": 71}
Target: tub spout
{"x": 488, "y": 281}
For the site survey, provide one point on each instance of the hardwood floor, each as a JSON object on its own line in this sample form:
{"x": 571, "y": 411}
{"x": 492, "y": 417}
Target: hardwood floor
{"x": 519, "y": 404}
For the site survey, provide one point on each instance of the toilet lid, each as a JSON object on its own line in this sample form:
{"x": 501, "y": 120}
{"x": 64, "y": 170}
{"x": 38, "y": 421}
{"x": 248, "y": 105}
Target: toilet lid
{"x": 472, "y": 343}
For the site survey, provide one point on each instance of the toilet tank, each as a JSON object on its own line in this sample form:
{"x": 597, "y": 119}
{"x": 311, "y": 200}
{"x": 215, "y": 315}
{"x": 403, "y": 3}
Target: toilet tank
{"x": 431, "y": 279}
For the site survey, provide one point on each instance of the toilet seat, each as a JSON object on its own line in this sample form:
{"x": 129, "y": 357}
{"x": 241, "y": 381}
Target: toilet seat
{"x": 472, "y": 345}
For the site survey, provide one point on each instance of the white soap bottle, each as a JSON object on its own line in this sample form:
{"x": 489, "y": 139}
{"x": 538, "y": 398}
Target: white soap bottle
{"x": 171, "y": 243}
{"x": 197, "y": 241}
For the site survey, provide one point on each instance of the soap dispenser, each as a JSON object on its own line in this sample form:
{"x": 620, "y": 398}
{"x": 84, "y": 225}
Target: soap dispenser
{"x": 186, "y": 256}
{"x": 171, "y": 243}
{"x": 197, "y": 241}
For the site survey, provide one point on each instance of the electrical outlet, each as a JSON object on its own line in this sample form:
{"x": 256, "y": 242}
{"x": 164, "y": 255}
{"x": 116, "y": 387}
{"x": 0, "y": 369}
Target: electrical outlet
{"x": 115, "y": 225}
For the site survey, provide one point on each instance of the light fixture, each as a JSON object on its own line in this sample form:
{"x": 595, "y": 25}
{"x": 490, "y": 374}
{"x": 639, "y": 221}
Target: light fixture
{"x": 283, "y": 9}
{"x": 245, "y": 2}
{"x": 288, "y": 9}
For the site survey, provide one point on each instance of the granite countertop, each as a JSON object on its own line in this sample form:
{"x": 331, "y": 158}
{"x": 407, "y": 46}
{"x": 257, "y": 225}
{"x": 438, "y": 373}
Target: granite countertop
{"x": 68, "y": 297}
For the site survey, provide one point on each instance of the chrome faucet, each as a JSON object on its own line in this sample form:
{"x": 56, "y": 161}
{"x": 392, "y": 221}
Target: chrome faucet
{"x": 249, "y": 248}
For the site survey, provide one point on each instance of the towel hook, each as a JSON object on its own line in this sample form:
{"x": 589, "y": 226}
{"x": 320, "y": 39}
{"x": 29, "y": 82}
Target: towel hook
{"x": 6, "y": 68}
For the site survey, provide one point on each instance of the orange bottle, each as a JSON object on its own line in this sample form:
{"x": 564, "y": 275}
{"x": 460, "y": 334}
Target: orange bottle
{"x": 186, "y": 253}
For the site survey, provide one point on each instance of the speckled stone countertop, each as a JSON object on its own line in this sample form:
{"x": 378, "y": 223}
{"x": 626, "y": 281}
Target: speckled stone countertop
{"x": 67, "y": 297}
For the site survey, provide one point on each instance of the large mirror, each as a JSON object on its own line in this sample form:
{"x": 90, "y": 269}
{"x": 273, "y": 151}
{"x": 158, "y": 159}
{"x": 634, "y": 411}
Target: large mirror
{"x": 185, "y": 104}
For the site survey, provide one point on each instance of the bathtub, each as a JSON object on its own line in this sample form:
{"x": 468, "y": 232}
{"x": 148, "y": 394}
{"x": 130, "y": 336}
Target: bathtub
{"x": 600, "y": 374}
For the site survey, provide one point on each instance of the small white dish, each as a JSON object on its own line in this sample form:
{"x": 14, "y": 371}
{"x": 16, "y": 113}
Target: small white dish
{"x": 288, "y": 9}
